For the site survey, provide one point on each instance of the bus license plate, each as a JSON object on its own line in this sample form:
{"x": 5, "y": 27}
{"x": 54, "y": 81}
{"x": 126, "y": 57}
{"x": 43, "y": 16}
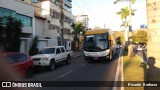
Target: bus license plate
{"x": 95, "y": 58}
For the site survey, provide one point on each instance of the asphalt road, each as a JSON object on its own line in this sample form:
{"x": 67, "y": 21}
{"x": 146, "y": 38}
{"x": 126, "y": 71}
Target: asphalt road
{"x": 80, "y": 70}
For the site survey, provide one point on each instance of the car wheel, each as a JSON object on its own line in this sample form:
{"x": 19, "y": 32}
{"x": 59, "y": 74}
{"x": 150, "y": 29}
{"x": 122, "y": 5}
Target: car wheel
{"x": 29, "y": 73}
{"x": 68, "y": 60}
{"x": 52, "y": 65}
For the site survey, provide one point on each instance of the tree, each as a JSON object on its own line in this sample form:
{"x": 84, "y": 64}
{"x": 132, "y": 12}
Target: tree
{"x": 1, "y": 33}
{"x": 139, "y": 36}
{"x": 118, "y": 36}
{"x": 131, "y": 1}
{"x": 34, "y": 48}
{"x": 11, "y": 32}
{"x": 77, "y": 30}
{"x": 124, "y": 12}
{"x": 127, "y": 35}
{"x": 129, "y": 13}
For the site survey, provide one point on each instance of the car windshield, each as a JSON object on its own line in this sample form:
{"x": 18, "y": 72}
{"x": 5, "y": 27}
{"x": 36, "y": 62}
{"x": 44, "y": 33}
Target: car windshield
{"x": 10, "y": 58}
{"x": 47, "y": 51}
{"x": 96, "y": 43}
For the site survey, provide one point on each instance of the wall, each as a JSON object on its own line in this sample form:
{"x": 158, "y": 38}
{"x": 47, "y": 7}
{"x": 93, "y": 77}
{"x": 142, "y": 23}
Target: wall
{"x": 27, "y": 42}
{"x": 153, "y": 24}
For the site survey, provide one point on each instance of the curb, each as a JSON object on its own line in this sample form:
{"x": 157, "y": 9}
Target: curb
{"x": 117, "y": 72}
{"x": 122, "y": 74}
{"x": 141, "y": 58}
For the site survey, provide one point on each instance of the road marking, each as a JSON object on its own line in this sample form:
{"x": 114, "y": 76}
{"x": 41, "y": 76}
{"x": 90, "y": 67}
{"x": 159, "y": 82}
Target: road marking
{"x": 66, "y": 73}
{"x": 122, "y": 74}
{"x": 117, "y": 73}
{"x": 83, "y": 64}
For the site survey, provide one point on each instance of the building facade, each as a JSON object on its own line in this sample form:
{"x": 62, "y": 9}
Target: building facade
{"x": 48, "y": 15}
{"x": 41, "y": 18}
{"x": 153, "y": 26}
{"x": 22, "y": 11}
{"x": 83, "y": 19}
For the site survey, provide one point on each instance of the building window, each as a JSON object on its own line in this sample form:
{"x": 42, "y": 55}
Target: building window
{"x": 55, "y": 14}
{"x": 34, "y": 0}
{"x": 57, "y": 2}
{"x": 66, "y": 31}
{"x": 53, "y": 27}
{"x": 26, "y": 20}
{"x": 7, "y": 12}
{"x": 66, "y": 7}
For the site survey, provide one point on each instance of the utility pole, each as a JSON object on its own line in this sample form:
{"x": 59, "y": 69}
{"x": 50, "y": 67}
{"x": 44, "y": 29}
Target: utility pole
{"x": 61, "y": 21}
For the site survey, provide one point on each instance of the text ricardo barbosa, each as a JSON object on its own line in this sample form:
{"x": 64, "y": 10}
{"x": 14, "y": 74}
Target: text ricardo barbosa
{"x": 142, "y": 84}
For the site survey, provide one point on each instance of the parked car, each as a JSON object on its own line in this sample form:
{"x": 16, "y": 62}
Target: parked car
{"x": 51, "y": 56}
{"x": 139, "y": 47}
{"x": 21, "y": 62}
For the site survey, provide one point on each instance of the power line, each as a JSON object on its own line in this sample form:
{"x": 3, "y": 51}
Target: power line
{"x": 89, "y": 11}
{"x": 86, "y": 4}
{"x": 78, "y": 6}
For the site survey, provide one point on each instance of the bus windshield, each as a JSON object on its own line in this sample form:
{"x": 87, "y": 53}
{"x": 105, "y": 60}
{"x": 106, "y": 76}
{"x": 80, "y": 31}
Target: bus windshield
{"x": 96, "y": 43}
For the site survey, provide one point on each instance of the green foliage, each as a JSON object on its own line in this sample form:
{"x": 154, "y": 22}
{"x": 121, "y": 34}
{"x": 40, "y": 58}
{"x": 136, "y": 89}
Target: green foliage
{"x": 77, "y": 29}
{"x": 119, "y": 37}
{"x": 11, "y": 30}
{"x": 34, "y": 48}
{"x": 131, "y": 1}
{"x": 1, "y": 33}
{"x": 124, "y": 12}
{"x": 140, "y": 37}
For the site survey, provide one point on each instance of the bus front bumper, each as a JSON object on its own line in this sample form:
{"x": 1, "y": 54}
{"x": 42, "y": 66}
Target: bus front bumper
{"x": 96, "y": 58}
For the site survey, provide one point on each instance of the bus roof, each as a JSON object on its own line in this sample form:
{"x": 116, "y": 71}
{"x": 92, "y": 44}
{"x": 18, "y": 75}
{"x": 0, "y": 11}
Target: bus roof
{"x": 96, "y": 31}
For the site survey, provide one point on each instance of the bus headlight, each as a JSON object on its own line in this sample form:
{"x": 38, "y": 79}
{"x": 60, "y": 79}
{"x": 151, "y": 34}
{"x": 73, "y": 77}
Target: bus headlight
{"x": 86, "y": 54}
{"x": 106, "y": 53}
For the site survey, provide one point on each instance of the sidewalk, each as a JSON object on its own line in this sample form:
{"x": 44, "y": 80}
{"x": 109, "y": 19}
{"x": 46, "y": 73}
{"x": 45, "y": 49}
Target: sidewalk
{"x": 77, "y": 54}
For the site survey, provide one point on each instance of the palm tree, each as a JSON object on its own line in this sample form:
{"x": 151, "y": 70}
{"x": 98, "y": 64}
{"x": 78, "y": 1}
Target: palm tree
{"x": 78, "y": 28}
{"x": 131, "y": 1}
{"x": 125, "y": 12}
{"x": 130, "y": 11}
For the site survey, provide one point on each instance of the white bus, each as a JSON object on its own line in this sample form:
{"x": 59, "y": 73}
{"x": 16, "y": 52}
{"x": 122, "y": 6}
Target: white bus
{"x": 98, "y": 44}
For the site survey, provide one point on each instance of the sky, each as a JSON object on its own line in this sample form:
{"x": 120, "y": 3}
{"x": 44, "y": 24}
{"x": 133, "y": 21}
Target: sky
{"x": 102, "y": 12}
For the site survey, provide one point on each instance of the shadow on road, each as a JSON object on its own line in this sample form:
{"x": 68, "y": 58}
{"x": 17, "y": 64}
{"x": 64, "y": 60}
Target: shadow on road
{"x": 152, "y": 73}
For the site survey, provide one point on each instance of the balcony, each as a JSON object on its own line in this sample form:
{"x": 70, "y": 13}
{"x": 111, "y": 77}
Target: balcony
{"x": 68, "y": 2}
